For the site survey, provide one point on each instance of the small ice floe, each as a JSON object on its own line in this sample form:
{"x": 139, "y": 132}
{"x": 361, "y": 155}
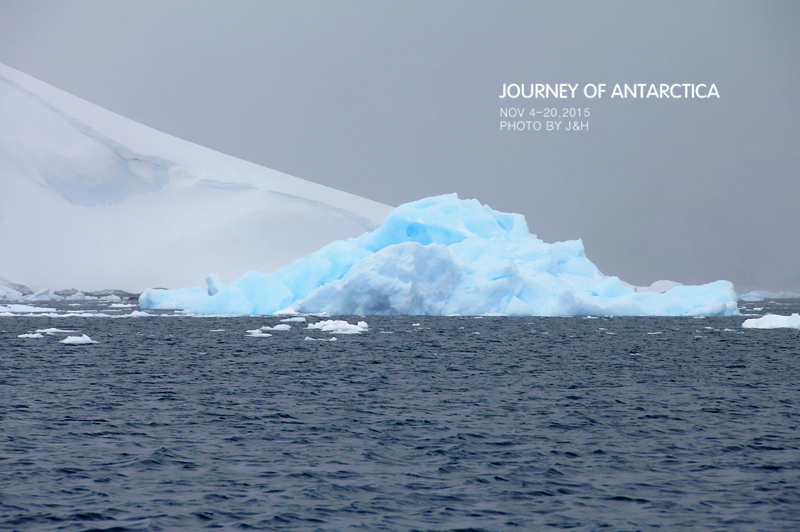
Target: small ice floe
{"x": 280, "y": 327}
{"x": 53, "y": 330}
{"x": 609, "y": 332}
{"x": 416, "y": 325}
{"x": 257, "y": 333}
{"x": 591, "y": 318}
{"x": 136, "y": 314}
{"x": 78, "y": 340}
{"x": 476, "y": 332}
{"x": 217, "y": 330}
{"x": 758, "y": 308}
{"x": 121, "y": 305}
{"x": 30, "y": 335}
{"x": 339, "y": 327}
{"x": 296, "y": 319}
{"x": 655, "y": 332}
{"x": 773, "y": 321}
{"x": 309, "y": 339}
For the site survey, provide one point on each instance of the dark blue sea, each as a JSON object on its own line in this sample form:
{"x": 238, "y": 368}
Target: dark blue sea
{"x": 419, "y": 423}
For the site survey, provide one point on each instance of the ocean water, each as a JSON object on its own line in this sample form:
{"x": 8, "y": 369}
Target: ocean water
{"x": 422, "y": 423}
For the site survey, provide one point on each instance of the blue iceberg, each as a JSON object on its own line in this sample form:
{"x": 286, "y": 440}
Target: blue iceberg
{"x": 444, "y": 256}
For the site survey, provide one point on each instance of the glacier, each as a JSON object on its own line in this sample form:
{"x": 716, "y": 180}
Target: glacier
{"x": 443, "y": 256}
{"x": 90, "y": 199}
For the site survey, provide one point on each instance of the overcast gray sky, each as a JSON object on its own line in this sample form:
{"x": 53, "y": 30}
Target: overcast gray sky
{"x": 398, "y": 101}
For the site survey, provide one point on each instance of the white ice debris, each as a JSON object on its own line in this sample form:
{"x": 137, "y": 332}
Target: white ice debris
{"x": 773, "y": 321}
{"x": 53, "y": 330}
{"x": 30, "y": 335}
{"x": 280, "y": 327}
{"x": 339, "y": 327}
{"x": 78, "y": 340}
{"x": 253, "y": 333}
{"x": 136, "y": 314}
{"x": 297, "y": 319}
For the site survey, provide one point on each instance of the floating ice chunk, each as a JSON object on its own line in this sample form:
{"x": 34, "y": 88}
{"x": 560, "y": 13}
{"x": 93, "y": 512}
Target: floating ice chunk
{"x": 53, "y": 330}
{"x": 773, "y": 321}
{"x": 217, "y": 330}
{"x": 30, "y": 335}
{"x": 655, "y": 332}
{"x": 121, "y": 305}
{"x": 751, "y": 297}
{"x": 309, "y": 339}
{"x": 78, "y": 340}
{"x": 257, "y": 333}
{"x": 280, "y": 327}
{"x": 298, "y": 319}
{"x": 136, "y": 314}
{"x": 339, "y": 327}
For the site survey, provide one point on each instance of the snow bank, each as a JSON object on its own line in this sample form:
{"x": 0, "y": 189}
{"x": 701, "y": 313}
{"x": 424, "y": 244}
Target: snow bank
{"x": 444, "y": 256}
{"x": 78, "y": 340}
{"x": 773, "y": 321}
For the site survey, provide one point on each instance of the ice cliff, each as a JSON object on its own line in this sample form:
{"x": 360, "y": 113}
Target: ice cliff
{"x": 443, "y": 256}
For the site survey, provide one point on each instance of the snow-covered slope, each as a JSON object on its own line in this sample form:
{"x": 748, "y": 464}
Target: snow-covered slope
{"x": 93, "y": 200}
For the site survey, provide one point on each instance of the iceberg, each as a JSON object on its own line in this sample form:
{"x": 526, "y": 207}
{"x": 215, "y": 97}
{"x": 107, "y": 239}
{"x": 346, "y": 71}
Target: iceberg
{"x": 773, "y": 321}
{"x": 761, "y": 295}
{"x": 444, "y": 256}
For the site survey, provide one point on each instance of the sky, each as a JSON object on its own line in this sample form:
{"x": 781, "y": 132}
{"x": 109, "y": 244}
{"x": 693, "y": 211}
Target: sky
{"x": 398, "y": 101}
